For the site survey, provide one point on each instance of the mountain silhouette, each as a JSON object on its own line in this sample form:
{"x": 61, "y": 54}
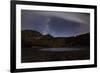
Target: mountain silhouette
{"x": 31, "y": 33}
{"x": 34, "y": 39}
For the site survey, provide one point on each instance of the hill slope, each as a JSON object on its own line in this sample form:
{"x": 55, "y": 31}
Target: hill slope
{"x": 35, "y": 39}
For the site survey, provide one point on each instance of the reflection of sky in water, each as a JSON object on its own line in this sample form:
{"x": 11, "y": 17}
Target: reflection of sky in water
{"x": 57, "y": 24}
{"x": 60, "y": 49}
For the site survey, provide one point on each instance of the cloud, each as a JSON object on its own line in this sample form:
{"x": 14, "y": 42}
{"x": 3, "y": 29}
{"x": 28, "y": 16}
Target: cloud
{"x": 56, "y": 23}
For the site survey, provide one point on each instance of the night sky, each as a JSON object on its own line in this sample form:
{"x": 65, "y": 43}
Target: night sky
{"x": 57, "y": 24}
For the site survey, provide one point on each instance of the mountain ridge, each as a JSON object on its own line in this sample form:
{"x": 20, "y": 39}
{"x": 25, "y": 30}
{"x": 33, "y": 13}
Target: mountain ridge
{"x": 35, "y": 39}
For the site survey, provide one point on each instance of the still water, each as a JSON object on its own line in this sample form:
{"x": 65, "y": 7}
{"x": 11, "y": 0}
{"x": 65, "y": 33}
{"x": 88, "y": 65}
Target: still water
{"x": 61, "y": 49}
{"x": 55, "y": 54}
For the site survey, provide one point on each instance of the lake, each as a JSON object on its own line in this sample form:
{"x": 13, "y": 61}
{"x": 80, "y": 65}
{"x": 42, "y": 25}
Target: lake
{"x": 54, "y": 54}
{"x": 60, "y": 49}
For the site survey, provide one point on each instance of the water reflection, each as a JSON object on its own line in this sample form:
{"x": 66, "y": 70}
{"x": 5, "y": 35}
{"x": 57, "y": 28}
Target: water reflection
{"x": 61, "y": 49}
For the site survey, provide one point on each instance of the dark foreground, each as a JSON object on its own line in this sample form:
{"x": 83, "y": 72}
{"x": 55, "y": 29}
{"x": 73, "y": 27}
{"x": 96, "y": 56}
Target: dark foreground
{"x": 38, "y": 55}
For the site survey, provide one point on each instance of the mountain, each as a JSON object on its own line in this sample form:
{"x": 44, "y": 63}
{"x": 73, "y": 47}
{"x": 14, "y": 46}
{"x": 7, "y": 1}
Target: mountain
{"x": 28, "y": 36}
{"x": 80, "y": 40}
{"x": 31, "y": 33}
{"x": 34, "y": 39}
